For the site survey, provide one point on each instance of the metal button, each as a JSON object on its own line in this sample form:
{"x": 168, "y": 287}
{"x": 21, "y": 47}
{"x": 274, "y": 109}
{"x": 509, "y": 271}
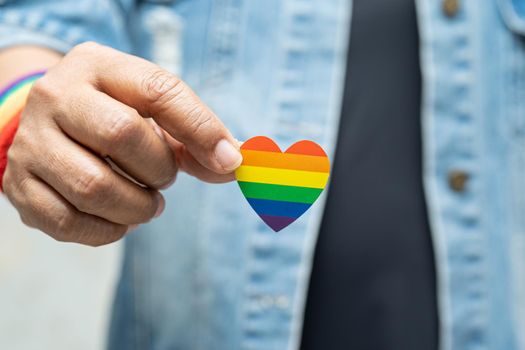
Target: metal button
{"x": 457, "y": 180}
{"x": 450, "y": 7}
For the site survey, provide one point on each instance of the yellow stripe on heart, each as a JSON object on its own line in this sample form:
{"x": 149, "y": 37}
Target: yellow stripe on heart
{"x": 285, "y": 177}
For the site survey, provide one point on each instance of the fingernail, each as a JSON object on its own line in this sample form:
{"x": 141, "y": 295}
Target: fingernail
{"x": 162, "y": 204}
{"x": 228, "y": 156}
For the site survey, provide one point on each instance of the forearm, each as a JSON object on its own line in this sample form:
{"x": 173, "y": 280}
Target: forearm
{"x": 18, "y": 61}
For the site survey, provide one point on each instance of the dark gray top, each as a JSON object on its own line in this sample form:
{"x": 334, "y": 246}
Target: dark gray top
{"x": 373, "y": 281}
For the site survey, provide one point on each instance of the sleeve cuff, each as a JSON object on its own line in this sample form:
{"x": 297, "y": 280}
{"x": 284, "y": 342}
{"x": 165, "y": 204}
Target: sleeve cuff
{"x": 16, "y": 36}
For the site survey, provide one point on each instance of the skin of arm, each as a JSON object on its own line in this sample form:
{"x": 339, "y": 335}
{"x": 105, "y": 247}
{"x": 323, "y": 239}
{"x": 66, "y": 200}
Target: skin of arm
{"x": 20, "y": 60}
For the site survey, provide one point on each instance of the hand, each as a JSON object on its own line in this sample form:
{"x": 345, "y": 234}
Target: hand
{"x": 91, "y": 106}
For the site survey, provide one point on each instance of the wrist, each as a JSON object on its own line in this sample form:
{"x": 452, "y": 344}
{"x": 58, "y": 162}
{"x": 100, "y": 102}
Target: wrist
{"x": 12, "y": 101}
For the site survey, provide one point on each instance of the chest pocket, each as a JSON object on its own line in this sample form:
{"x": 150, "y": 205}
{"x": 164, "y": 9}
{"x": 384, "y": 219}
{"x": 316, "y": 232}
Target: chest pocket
{"x": 513, "y": 12}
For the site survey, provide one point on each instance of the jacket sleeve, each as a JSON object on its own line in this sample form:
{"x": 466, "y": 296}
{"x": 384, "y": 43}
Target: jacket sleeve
{"x": 62, "y": 24}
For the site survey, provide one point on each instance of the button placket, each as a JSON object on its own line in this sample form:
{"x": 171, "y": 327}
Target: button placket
{"x": 453, "y": 151}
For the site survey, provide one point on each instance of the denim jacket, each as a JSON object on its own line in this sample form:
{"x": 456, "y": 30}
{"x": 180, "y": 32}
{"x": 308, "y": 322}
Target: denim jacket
{"x": 208, "y": 274}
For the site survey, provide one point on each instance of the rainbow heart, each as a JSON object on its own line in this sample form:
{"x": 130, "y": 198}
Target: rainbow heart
{"x": 279, "y": 186}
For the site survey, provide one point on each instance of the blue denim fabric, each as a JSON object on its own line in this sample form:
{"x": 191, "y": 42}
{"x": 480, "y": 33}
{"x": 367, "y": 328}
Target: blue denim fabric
{"x": 208, "y": 274}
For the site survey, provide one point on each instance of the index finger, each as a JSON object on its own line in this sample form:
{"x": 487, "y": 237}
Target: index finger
{"x": 158, "y": 94}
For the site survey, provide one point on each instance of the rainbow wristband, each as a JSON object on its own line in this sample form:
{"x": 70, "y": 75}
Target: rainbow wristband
{"x": 12, "y": 101}
{"x": 13, "y": 97}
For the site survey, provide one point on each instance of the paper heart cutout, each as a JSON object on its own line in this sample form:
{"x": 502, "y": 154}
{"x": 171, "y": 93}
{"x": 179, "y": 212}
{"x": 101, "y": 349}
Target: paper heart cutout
{"x": 279, "y": 186}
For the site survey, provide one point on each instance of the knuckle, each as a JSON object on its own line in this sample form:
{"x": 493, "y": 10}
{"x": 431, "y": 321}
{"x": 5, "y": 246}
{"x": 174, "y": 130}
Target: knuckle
{"x": 160, "y": 87}
{"x": 44, "y": 89}
{"x": 64, "y": 225}
{"x": 16, "y": 189}
{"x": 91, "y": 189}
{"x": 123, "y": 129}
{"x": 13, "y": 155}
{"x": 25, "y": 220}
{"x": 29, "y": 220}
{"x": 26, "y": 147}
{"x": 85, "y": 47}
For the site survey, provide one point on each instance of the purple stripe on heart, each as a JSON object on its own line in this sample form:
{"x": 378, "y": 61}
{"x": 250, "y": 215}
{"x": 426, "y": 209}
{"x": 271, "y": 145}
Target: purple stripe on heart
{"x": 277, "y": 223}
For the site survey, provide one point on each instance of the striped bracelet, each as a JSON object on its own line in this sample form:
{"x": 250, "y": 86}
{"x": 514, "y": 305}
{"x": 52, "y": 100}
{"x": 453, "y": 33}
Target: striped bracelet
{"x": 12, "y": 101}
{"x": 13, "y": 97}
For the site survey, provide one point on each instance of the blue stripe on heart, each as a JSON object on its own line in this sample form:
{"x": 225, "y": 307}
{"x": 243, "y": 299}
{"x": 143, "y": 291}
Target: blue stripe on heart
{"x": 278, "y": 208}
